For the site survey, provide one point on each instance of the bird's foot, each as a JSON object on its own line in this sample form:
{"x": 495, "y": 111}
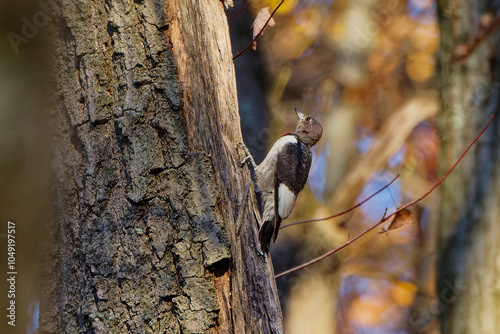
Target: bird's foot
{"x": 248, "y": 156}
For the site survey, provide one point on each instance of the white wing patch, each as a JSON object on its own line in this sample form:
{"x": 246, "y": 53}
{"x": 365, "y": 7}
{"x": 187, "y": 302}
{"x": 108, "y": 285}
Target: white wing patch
{"x": 286, "y": 201}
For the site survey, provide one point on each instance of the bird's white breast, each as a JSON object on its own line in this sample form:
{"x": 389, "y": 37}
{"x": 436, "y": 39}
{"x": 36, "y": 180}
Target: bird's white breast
{"x": 265, "y": 171}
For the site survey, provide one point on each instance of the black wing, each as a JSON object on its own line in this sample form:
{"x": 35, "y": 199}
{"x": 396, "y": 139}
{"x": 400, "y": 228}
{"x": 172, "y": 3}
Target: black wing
{"x": 277, "y": 218}
{"x": 293, "y": 166}
{"x": 292, "y": 170}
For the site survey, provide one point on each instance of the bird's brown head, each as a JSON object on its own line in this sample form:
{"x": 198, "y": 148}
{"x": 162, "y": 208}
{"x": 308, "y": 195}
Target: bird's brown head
{"x": 308, "y": 129}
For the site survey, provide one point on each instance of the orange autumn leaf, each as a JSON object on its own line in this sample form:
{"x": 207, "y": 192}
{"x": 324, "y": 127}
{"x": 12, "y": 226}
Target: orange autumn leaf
{"x": 402, "y": 218}
{"x": 404, "y": 292}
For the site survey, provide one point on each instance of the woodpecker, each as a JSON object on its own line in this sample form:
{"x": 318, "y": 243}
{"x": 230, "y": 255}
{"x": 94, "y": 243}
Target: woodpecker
{"x": 283, "y": 174}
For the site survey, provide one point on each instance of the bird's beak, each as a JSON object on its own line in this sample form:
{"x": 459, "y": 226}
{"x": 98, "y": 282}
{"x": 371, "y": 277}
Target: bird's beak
{"x": 299, "y": 113}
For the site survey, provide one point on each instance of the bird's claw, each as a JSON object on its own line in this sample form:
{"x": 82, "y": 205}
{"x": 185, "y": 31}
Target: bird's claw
{"x": 248, "y": 156}
{"x": 244, "y": 161}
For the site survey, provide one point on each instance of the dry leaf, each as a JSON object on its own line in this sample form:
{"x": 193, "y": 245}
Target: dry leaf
{"x": 402, "y": 218}
{"x": 260, "y": 22}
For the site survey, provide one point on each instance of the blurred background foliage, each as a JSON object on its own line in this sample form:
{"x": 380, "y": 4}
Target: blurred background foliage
{"x": 366, "y": 70}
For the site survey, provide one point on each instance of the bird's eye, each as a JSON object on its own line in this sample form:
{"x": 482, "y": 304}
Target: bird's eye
{"x": 308, "y": 119}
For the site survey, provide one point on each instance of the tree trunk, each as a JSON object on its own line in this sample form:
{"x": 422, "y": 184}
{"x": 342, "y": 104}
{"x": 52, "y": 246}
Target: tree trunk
{"x": 469, "y": 229}
{"x": 147, "y": 187}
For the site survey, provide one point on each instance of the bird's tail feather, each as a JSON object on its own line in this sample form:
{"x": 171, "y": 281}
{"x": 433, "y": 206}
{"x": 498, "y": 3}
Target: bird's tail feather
{"x": 266, "y": 232}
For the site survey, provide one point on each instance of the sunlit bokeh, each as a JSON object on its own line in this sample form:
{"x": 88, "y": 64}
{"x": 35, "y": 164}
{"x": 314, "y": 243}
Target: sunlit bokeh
{"x": 364, "y": 69}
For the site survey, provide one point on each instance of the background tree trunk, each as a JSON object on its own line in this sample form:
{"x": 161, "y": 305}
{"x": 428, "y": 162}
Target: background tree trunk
{"x": 469, "y": 229}
{"x": 146, "y": 183}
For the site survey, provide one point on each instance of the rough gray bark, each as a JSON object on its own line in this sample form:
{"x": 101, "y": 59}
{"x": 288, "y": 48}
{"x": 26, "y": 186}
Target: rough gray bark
{"x": 147, "y": 186}
{"x": 468, "y": 230}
